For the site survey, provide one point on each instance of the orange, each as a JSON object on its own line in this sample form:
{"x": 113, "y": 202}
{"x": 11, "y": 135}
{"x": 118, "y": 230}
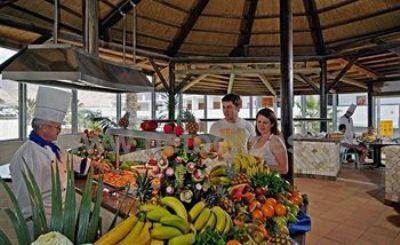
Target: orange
{"x": 168, "y": 151}
{"x": 280, "y": 209}
{"x": 233, "y": 242}
{"x": 257, "y": 215}
{"x": 268, "y": 210}
{"x": 271, "y": 201}
{"x": 261, "y": 227}
{"x": 298, "y": 200}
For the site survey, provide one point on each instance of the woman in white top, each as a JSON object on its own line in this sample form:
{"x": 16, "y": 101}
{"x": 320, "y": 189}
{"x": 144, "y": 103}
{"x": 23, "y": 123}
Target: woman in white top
{"x": 268, "y": 143}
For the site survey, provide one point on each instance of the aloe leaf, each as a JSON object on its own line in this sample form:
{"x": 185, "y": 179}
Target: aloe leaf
{"x": 17, "y": 225}
{"x": 95, "y": 218}
{"x": 37, "y": 225}
{"x": 37, "y": 195}
{"x": 69, "y": 218}
{"x": 23, "y": 231}
{"x": 84, "y": 210}
{"x": 4, "y": 239}
{"x": 56, "y": 223}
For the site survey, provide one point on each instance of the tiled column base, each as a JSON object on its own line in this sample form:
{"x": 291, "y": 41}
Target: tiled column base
{"x": 392, "y": 173}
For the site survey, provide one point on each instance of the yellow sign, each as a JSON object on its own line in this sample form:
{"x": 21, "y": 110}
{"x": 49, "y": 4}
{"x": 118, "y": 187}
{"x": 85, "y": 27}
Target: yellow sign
{"x": 387, "y": 128}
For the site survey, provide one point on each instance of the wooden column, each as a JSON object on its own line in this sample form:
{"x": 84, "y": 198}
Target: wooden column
{"x": 286, "y": 40}
{"x": 370, "y": 105}
{"x": 171, "y": 92}
{"x": 323, "y": 109}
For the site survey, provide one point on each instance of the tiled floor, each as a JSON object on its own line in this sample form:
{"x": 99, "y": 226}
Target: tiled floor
{"x": 350, "y": 210}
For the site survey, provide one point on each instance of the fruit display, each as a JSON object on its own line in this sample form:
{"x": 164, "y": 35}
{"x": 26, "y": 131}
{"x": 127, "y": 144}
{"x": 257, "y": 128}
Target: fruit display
{"x": 119, "y": 179}
{"x": 191, "y": 126}
{"x": 124, "y": 121}
{"x": 191, "y": 196}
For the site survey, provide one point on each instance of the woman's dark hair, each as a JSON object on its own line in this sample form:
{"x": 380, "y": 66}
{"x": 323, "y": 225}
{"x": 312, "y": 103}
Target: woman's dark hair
{"x": 268, "y": 113}
{"x": 342, "y": 126}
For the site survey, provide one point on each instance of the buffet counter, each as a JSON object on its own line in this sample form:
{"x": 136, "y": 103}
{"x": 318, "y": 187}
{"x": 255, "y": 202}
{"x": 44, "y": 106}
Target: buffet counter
{"x": 392, "y": 173}
{"x": 317, "y": 157}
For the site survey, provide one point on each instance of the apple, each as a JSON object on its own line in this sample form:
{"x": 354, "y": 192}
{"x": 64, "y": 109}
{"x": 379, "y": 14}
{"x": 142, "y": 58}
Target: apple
{"x": 179, "y": 130}
{"x": 152, "y": 162}
{"x": 168, "y": 128}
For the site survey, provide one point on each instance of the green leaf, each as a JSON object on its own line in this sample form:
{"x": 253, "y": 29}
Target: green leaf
{"x": 69, "y": 218}
{"x": 23, "y": 232}
{"x": 4, "y": 239}
{"x": 95, "y": 218}
{"x": 17, "y": 226}
{"x": 56, "y": 223}
{"x": 37, "y": 196}
{"x": 84, "y": 210}
{"x": 37, "y": 224}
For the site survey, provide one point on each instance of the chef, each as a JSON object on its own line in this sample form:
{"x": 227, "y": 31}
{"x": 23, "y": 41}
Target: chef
{"x": 40, "y": 151}
{"x": 348, "y": 122}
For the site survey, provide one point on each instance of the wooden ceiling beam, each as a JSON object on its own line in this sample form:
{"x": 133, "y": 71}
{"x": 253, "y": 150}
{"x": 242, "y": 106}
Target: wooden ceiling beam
{"x": 10, "y": 22}
{"x": 315, "y": 26}
{"x": 66, "y": 9}
{"x": 231, "y": 81}
{"x": 336, "y": 6}
{"x": 189, "y": 23}
{"x": 160, "y": 76}
{"x": 44, "y": 18}
{"x": 115, "y": 16}
{"x": 341, "y": 74}
{"x": 246, "y": 25}
{"x": 306, "y": 80}
{"x": 361, "y": 68}
{"x": 266, "y": 71}
{"x": 267, "y": 84}
{"x": 354, "y": 82}
{"x": 393, "y": 8}
{"x": 5, "y": 3}
{"x": 193, "y": 82}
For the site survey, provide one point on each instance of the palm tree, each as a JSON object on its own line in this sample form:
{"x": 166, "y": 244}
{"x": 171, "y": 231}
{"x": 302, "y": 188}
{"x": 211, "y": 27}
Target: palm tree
{"x": 30, "y": 109}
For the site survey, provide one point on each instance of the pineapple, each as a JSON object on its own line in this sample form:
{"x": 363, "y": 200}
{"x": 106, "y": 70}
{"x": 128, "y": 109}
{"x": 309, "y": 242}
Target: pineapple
{"x": 124, "y": 121}
{"x": 241, "y": 178}
{"x": 144, "y": 188}
{"x": 191, "y": 126}
{"x": 281, "y": 239}
{"x": 220, "y": 198}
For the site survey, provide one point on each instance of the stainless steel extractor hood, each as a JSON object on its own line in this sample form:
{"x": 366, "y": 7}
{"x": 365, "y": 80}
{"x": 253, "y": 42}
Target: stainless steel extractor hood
{"x": 66, "y": 66}
{"x": 63, "y": 65}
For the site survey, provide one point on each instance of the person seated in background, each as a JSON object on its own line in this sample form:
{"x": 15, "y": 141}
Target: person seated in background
{"x": 370, "y": 135}
{"x": 268, "y": 143}
{"x": 353, "y": 145}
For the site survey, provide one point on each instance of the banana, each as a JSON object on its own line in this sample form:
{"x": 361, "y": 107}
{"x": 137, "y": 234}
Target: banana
{"x": 221, "y": 218}
{"x": 157, "y": 213}
{"x": 133, "y": 235}
{"x": 177, "y": 222}
{"x": 148, "y": 207}
{"x": 196, "y": 210}
{"x": 175, "y": 205}
{"x": 144, "y": 236}
{"x": 118, "y": 232}
{"x": 156, "y": 224}
{"x": 211, "y": 222}
{"x": 229, "y": 223}
{"x": 201, "y": 221}
{"x": 165, "y": 232}
{"x": 218, "y": 171}
{"x": 156, "y": 242}
{"x": 187, "y": 239}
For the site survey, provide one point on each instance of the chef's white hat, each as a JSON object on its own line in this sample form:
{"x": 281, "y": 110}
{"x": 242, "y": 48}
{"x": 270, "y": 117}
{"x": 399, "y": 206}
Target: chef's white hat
{"x": 51, "y": 104}
{"x": 352, "y": 108}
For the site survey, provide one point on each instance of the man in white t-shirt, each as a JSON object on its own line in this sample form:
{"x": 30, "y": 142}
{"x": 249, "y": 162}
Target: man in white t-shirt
{"x": 233, "y": 129}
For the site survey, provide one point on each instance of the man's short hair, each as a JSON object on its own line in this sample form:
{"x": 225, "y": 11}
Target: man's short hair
{"x": 342, "y": 126}
{"x": 37, "y": 124}
{"x": 234, "y": 98}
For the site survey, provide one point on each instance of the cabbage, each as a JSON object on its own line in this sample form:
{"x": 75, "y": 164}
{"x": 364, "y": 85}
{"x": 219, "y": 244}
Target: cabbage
{"x": 52, "y": 238}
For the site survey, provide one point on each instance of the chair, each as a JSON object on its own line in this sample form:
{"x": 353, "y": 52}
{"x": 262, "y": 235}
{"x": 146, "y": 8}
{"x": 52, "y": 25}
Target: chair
{"x": 346, "y": 152}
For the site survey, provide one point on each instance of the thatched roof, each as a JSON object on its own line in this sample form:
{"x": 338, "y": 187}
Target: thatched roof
{"x": 360, "y": 38}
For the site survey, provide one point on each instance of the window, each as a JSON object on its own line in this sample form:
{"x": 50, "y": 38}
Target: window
{"x": 216, "y": 105}
{"x": 32, "y": 90}
{"x": 138, "y": 103}
{"x": 95, "y": 104}
{"x": 8, "y": 110}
